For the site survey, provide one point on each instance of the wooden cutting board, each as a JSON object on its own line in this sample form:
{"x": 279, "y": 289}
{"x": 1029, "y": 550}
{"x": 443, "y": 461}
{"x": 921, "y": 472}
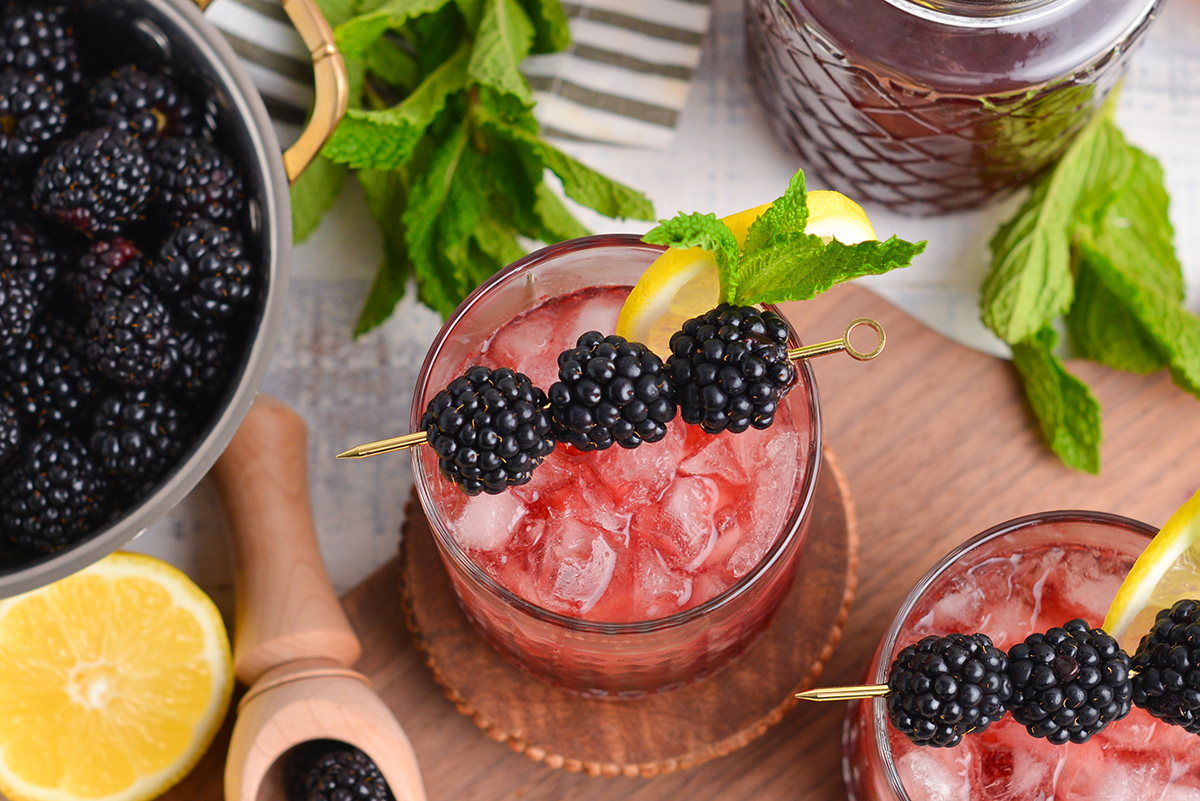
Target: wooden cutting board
{"x": 937, "y": 444}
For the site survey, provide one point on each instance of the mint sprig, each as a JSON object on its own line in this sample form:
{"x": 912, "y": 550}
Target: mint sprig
{"x": 1093, "y": 245}
{"x": 441, "y": 136}
{"x": 779, "y": 261}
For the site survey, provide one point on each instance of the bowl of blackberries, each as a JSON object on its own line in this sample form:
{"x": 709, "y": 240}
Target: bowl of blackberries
{"x": 144, "y": 240}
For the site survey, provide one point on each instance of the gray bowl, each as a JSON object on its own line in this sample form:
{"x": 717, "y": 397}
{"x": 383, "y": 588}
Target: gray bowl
{"x": 204, "y": 62}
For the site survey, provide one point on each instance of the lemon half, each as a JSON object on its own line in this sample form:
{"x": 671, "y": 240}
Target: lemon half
{"x": 113, "y": 683}
{"x": 1167, "y": 571}
{"x": 682, "y": 283}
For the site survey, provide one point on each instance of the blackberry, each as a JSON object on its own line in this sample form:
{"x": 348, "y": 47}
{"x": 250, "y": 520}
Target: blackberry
{"x": 137, "y": 435}
{"x": 730, "y": 368}
{"x": 129, "y": 338}
{"x": 19, "y": 304}
{"x": 11, "y": 432}
{"x": 27, "y": 249}
{"x": 203, "y": 268}
{"x": 97, "y": 183}
{"x": 39, "y": 41}
{"x": 108, "y": 264}
{"x": 204, "y": 365}
{"x": 328, "y": 770}
{"x": 489, "y": 429}
{"x": 945, "y": 687}
{"x": 148, "y": 104}
{"x": 1167, "y": 684}
{"x": 31, "y": 118}
{"x": 49, "y": 379}
{"x": 609, "y": 392}
{"x": 52, "y": 495}
{"x": 194, "y": 179}
{"x": 1069, "y": 683}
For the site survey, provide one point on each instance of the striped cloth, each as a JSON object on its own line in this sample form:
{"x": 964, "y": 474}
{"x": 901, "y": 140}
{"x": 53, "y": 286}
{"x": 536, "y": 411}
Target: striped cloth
{"x": 624, "y": 80}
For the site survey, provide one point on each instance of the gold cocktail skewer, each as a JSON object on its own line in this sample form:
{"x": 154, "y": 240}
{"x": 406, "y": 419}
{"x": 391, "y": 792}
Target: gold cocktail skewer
{"x": 406, "y": 441}
{"x": 845, "y": 693}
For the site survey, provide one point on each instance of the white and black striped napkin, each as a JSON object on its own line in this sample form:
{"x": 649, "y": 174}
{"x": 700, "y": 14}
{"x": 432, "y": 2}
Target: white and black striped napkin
{"x": 624, "y": 80}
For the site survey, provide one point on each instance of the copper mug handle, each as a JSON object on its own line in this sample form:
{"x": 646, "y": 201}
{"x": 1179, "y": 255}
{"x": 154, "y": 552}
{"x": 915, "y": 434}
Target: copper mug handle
{"x": 330, "y": 80}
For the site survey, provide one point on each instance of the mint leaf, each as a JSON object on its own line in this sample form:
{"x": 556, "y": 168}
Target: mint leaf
{"x": 1030, "y": 281}
{"x": 389, "y": 63}
{"x": 551, "y": 32}
{"x": 355, "y": 35}
{"x": 386, "y": 195}
{"x": 504, "y": 38}
{"x": 472, "y": 12}
{"x": 1174, "y": 330}
{"x": 439, "y": 286}
{"x": 554, "y": 221}
{"x": 1068, "y": 413}
{"x": 338, "y": 11}
{"x": 581, "y": 183}
{"x": 1105, "y": 331}
{"x": 386, "y": 139}
{"x": 804, "y": 266}
{"x": 786, "y": 218}
{"x": 702, "y": 231}
{"x": 313, "y": 194}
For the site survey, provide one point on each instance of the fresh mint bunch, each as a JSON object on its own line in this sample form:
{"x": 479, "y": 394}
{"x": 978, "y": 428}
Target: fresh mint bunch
{"x": 440, "y": 133}
{"x": 779, "y": 261}
{"x": 1091, "y": 246}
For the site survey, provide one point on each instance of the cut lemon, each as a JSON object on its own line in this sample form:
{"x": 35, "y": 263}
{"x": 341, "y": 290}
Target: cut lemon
{"x": 682, "y": 283}
{"x": 113, "y": 683}
{"x": 1167, "y": 571}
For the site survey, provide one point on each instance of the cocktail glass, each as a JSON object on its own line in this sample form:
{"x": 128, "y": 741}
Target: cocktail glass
{"x": 593, "y": 609}
{"x": 1021, "y": 577}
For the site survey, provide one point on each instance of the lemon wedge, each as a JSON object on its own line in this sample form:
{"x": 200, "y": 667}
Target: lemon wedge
{"x": 1168, "y": 570}
{"x": 113, "y": 683}
{"x": 682, "y": 283}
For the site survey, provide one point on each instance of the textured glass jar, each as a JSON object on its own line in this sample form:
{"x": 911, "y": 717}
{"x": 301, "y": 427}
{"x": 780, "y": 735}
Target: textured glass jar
{"x": 930, "y": 106}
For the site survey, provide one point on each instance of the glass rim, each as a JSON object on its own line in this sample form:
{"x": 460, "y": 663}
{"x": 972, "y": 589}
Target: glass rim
{"x": 448, "y": 545}
{"x": 986, "y": 14}
{"x": 877, "y": 719}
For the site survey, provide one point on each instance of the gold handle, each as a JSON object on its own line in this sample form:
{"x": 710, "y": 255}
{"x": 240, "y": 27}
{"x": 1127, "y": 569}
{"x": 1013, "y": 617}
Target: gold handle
{"x": 331, "y": 83}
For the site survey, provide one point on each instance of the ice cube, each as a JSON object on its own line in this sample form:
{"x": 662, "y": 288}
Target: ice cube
{"x": 640, "y": 476}
{"x": 576, "y": 566}
{"x": 1181, "y": 792}
{"x": 658, "y": 590}
{"x": 598, "y": 314}
{"x": 718, "y": 460}
{"x": 587, "y": 500}
{"x": 529, "y": 345}
{"x": 941, "y": 774}
{"x": 682, "y": 526}
{"x": 1115, "y": 775}
{"x": 959, "y": 609}
{"x": 487, "y": 522}
{"x": 1085, "y": 590}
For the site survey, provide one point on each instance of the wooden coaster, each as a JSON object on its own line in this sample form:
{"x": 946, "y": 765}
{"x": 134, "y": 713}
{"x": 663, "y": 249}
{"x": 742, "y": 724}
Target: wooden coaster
{"x": 662, "y": 733}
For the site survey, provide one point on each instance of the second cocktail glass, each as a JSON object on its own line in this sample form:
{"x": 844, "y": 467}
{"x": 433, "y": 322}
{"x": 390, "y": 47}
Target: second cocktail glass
{"x": 615, "y": 573}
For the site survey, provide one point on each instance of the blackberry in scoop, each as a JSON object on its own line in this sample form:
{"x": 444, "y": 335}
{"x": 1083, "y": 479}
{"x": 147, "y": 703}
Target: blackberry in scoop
{"x": 1167, "y": 661}
{"x": 31, "y": 118}
{"x": 204, "y": 269}
{"x": 193, "y": 179}
{"x": 328, "y": 770}
{"x": 489, "y": 429}
{"x": 945, "y": 687}
{"x": 137, "y": 434}
{"x": 38, "y": 41}
{"x": 610, "y": 392}
{"x": 147, "y": 104}
{"x": 1069, "y": 683}
{"x": 730, "y": 368}
{"x": 130, "y": 339}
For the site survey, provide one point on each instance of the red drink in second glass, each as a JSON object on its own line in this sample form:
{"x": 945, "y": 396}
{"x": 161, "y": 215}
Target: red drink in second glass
{"x": 617, "y": 572}
{"x": 1022, "y": 577}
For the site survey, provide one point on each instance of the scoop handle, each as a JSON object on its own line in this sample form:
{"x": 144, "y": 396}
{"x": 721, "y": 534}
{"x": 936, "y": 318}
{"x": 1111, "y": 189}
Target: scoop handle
{"x": 286, "y": 608}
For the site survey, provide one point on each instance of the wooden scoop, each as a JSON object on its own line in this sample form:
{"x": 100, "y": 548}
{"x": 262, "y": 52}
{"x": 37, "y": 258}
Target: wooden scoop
{"x": 293, "y": 645}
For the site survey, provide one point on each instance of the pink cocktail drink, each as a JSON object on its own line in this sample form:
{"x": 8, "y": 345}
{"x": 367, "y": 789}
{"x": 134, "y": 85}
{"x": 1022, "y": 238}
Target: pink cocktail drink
{"x": 1022, "y": 577}
{"x": 617, "y": 572}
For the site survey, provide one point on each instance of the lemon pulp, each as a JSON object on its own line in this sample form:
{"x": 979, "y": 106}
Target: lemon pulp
{"x": 113, "y": 683}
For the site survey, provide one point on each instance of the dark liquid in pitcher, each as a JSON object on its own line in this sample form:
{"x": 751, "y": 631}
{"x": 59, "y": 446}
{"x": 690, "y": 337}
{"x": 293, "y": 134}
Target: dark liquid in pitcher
{"x": 896, "y": 104}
